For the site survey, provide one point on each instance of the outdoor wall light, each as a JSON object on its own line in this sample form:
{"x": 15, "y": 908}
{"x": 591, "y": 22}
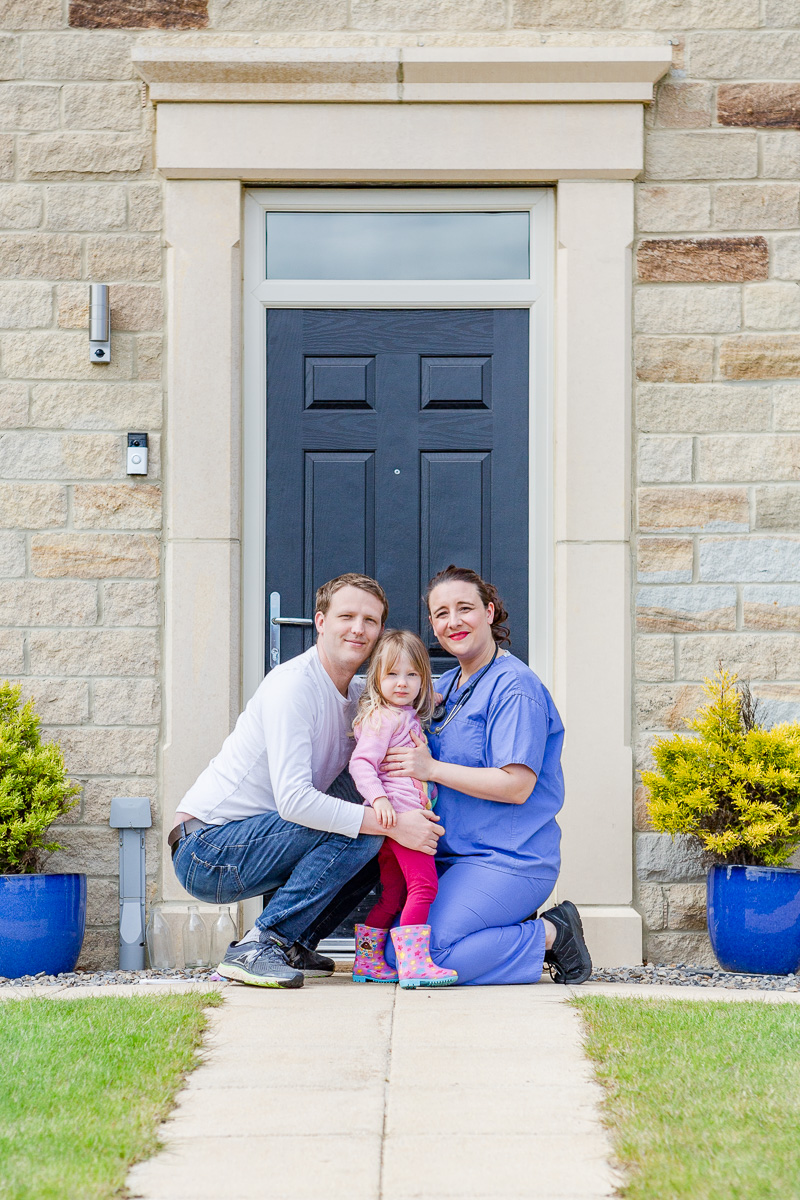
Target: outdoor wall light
{"x": 99, "y": 323}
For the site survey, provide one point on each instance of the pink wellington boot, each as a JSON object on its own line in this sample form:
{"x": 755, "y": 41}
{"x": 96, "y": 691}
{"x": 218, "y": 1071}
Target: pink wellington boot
{"x": 414, "y": 962}
{"x": 370, "y": 965}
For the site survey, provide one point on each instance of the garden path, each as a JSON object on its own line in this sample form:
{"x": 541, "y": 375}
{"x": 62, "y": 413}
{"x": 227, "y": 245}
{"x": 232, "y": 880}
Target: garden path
{"x": 375, "y": 1093}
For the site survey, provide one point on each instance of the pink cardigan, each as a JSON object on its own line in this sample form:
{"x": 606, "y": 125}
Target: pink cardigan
{"x": 388, "y": 727}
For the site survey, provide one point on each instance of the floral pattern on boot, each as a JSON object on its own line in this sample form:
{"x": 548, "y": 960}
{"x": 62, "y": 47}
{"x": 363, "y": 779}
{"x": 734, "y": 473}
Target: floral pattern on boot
{"x": 415, "y": 966}
{"x": 370, "y": 964}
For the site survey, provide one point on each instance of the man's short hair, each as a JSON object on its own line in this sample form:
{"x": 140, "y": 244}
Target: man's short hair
{"x": 363, "y": 582}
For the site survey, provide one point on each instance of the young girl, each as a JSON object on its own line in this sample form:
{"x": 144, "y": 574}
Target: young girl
{"x": 397, "y": 697}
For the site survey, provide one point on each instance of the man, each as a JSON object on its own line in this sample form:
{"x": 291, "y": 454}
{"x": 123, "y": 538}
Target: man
{"x": 260, "y": 817}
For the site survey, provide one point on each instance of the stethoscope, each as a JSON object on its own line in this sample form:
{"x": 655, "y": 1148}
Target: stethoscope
{"x": 441, "y": 708}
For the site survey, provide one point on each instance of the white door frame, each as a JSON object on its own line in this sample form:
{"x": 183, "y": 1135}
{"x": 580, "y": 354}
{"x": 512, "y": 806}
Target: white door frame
{"x": 535, "y": 294}
{"x": 591, "y": 519}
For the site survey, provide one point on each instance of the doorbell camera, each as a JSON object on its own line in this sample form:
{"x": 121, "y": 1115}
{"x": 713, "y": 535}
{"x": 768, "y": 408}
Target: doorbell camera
{"x": 137, "y": 453}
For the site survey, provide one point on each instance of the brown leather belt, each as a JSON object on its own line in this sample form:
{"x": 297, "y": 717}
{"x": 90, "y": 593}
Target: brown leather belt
{"x": 181, "y": 831}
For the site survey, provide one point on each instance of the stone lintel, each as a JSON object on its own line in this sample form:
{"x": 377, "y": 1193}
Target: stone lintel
{"x": 433, "y": 75}
{"x": 399, "y": 143}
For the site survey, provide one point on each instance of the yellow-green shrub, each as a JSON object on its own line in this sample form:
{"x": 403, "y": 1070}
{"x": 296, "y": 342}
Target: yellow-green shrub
{"x": 734, "y": 785}
{"x": 34, "y": 788}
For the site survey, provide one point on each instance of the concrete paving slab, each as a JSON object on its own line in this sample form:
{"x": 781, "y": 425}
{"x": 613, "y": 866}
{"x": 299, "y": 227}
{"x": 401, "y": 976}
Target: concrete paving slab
{"x": 503, "y": 1165}
{"x": 252, "y": 1168}
{"x": 480, "y": 999}
{"x": 553, "y": 1037}
{"x": 498, "y": 1110}
{"x": 346, "y": 1028}
{"x": 252, "y": 1110}
{"x": 314, "y": 991}
{"x": 530, "y": 1054}
{"x": 216, "y": 1075}
{"x": 304, "y": 1058}
{"x": 476, "y": 1067}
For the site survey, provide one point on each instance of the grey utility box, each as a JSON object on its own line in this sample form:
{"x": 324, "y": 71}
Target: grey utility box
{"x": 131, "y": 816}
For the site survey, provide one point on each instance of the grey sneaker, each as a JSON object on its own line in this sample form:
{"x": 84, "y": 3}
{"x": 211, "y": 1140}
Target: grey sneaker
{"x": 568, "y": 958}
{"x": 313, "y": 965}
{"x": 264, "y": 963}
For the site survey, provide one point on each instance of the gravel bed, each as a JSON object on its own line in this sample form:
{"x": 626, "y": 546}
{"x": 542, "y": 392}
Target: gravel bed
{"x": 673, "y": 974}
{"x": 105, "y": 978}
{"x": 685, "y": 975}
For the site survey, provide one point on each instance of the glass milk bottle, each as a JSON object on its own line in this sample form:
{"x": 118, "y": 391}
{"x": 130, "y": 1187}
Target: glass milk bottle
{"x": 160, "y": 951}
{"x": 195, "y": 940}
{"x": 223, "y": 933}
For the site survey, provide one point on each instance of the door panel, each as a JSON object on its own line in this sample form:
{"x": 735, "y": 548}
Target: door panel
{"x": 462, "y": 381}
{"x": 340, "y": 533}
{"x": 340, "y": 383}
{"x": 397, "y": 442}
{"x": 456, "y": 511}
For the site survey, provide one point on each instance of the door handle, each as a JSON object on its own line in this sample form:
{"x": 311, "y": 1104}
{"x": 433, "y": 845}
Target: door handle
{"x": 275, "y": 622}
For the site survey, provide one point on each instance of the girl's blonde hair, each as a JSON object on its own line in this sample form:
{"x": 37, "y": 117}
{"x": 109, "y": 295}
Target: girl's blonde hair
{"x": 391, "y": 645}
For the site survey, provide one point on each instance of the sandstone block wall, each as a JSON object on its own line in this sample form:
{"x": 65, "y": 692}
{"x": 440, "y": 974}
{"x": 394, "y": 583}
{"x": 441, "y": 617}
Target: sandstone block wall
{"x": 717, "y": 365}
{"x": 717, "y": 406}
{"x": 79, "y": 547}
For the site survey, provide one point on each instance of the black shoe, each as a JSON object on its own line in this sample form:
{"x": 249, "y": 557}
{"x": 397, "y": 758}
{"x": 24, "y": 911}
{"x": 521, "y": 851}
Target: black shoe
{"x": 264, "y": 963}
{"x": 568, "y": 958}
{"x": 313, "y": 965}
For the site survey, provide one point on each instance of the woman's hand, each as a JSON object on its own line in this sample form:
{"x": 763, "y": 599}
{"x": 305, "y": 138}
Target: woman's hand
{"x": 410, "y": 762}
{"x": 384, "y": 812}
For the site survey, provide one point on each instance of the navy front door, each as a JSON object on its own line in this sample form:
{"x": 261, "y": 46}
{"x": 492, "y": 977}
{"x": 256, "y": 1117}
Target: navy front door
{"x": 397, "y": 442}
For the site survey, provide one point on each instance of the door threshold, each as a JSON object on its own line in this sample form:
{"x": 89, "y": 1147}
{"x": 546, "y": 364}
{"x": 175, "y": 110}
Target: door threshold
{"x": 339, "y": 949}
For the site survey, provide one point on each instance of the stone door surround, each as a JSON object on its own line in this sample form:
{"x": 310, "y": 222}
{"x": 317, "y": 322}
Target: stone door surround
{"x": 568, "y": 116}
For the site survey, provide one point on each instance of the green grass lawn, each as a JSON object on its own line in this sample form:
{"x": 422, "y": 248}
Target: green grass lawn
{"x": 703, "y": 1097}
{"x": 83, "y": 1085}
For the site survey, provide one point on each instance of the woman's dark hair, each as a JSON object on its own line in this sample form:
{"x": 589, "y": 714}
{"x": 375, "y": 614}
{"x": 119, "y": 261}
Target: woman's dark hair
{"x": 487, "y": 592}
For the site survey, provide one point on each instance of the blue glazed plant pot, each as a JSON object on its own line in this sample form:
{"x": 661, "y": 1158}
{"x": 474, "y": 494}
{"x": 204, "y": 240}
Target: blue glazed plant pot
{"x": 42, "y": 922}
{"x": 754, "y": 918}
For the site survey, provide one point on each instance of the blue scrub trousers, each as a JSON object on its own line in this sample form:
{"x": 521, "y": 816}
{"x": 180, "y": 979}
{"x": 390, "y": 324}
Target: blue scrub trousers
{"x": 478, "y": 925}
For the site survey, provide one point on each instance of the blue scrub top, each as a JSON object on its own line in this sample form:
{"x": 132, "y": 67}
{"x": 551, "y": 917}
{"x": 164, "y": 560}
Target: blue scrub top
{"x": 509, "y": 718}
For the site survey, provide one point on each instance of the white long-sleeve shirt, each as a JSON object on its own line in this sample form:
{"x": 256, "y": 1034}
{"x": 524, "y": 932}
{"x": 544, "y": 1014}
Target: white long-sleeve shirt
{"x": 287, "y": 747}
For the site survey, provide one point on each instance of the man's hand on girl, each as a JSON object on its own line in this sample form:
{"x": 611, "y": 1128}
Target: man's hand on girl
{"x": 383, "y": 810}
{"x": 409, "y": 762}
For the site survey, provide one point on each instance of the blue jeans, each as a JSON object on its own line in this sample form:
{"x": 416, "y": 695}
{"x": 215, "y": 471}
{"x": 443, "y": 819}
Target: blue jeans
{"x": 308, "y": 872}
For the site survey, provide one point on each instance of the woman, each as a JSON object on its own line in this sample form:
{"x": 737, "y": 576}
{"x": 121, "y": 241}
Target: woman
{"x": 495, "y": 750}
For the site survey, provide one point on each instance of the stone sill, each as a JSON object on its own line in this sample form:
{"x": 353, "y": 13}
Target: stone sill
{"x": 394, "y": 75}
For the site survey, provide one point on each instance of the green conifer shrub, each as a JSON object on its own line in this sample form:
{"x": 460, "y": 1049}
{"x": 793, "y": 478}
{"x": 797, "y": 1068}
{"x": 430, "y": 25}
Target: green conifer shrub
{"x": 34, "y": 788}
{"x": 733, "y": 785}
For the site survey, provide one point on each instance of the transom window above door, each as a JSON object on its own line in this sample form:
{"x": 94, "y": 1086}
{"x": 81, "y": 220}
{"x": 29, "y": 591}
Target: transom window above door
{"x": 398, "y": 245}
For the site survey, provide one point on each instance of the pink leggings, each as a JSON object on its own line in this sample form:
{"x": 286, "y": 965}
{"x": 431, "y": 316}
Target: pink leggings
{"x": 408, "y": 880}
